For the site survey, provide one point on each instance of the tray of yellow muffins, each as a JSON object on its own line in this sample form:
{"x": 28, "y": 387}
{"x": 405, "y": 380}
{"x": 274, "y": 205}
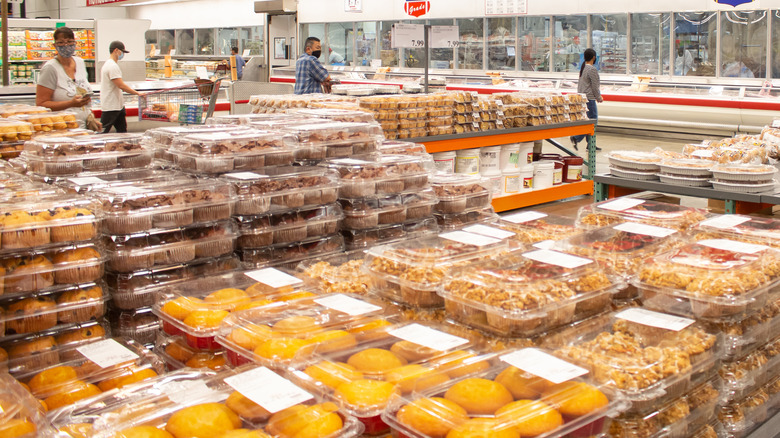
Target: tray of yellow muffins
{"x": 49, "y": 121}
{"x": 22, "y": 416}
{"x": 177, "y": 354}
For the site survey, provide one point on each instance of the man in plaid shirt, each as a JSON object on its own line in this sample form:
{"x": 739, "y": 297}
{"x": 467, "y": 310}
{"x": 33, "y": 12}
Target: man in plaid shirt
{"x": 310, "y": 75}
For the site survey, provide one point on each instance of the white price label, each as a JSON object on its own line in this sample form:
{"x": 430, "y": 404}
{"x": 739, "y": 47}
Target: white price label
{"x": 469, "y": 238}
{"x": 645, "y": 230}
{"x": 428, "y": 337}
{"x": 201, "y": 72}
{"x": 655, "y": 319}
{"x": 244, "y": 175}
{"x": 408, "y": 36}
{"x": 725, "y": 221}
{"x": 444, "y": 37}
{"x": 344, "y": 304}
{"x": 527, "y": 216}
{"x": 543, "y": 365}
{"x": 556, "y": 258}
{"x": 86, "y": 180}
{"x": 273, "y": 277}
{"x": 732, "y": 245}
{"x": 489, "y": 231}
{"x": 703, "y": 153}
{"x": 107, "y": 353}
{"x": 268, "y": 389}
{"x": 188, "y": 393}
{"x": 621, "y": 204}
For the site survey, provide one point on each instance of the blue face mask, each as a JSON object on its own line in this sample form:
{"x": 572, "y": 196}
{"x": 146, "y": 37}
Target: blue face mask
{"x": 121, "y": 55}
{"x": 66, "y": 51}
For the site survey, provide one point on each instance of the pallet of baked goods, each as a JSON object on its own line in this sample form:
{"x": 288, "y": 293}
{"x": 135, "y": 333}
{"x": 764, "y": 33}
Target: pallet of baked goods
{"x": 385, "y": 363}
{"x": 334, "y": 139}
{"x": 177, "y": 354}
{"x": 142, "y": 207}
{"x": 248, "y": 400}
{"x": 194, "y": 309}
{"x": 744, "y": 178}
{"x": 367, "y": 213}
{"x": 715, "y": 279}
{"x": 661, "y": 214}
{"x": 534, "y": 226}
{"x": 521, "y": 392}
{"x": 283, "y": 188}
{"x": 750, "y": 229}
{"x": 460, "y": 193}
{"x": 287, "y": 334}
{"x": 526, "y": 295}
{"x": 650, "y": 357}
{"x": 380, "y": 175}
{"x": 170, "y": 246}
{"x": 140, "y": 325}
{"x": 288, "y": 227}
{"x": 23, "y": 416}
{"x": 411, "y": 271}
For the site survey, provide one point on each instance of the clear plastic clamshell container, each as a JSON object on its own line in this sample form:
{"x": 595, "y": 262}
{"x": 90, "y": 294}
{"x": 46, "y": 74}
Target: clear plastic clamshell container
{"x": 31, "y": 223}
{"x": 648, "y": 356}
{"x": 533, "y": 226}
{"x": 22, "y": 416}
{"x": 218, "y": 153}
{"x": 383, "y": 234}
{"x": 758, "y": 230}
{"x": 243, "y": 119}
{"x": 86, "y": 183}
{"x": 286, "y": 334}
{"x": 742, "y": 336}
{"x": 457, "y": 221}
{"x": 396, "y": 147}
{"x": 140, "y": 325}
{"x": 715, "y": 279}
{"x": 49, "y": 121}
{"x": 177, "y": 354}
{"x": 386, "y": 363}
{"x": 292, "y": 226}
{"x": 334, "y": 140}
{"x": 368, "y": 213}
{"x": 615, "y": 211}
{"x": 411, "y": 271}
{"x": 528, "y": 294}
{"x": 161, "y": 138}
{"x": 509, "y": 395}
{"x": 336, "y": 273}
{"x": 60, "y": 156}
{"x": 749, "y": 372}
{"x": 739, "y": 418}
{"x": 460, "y": 193}
{"x": 335, "y": 114}
{"x": 15, "y": 131}
{"x": 283, "y": 188}
{"x": 288, "y": 255}
{"x": 142, "y": 207}
{"x": 381, "y": 175}
{"x": 146, "y": 250}
{"x": 194, "y": 309}
{"x": 255, "y": 401}
{"x": 91, "y": 369}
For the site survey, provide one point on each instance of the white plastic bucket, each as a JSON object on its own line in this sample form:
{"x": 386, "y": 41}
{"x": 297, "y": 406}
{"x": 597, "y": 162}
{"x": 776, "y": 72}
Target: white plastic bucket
{"x": 543, "y": 174}
{"x": 489, "y": 159}
{"x": 444, "y": 161}
{"x": 494, "y": 179}
{"x": 510, "y": 181}
{"x": 527, "y": 178}
{"x": 467, "y": 161}
{"x": 508, "y": 156}
{"x": 525, "y": 153}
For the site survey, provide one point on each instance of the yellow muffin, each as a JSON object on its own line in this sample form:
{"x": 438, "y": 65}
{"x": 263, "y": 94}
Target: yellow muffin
{"x": 143, "y": 432}
{"x": 16, "y": 427}
{"x": 82, "y": 334}
{"x": 479, "y": 396}
{"x": 281, "y": 348}
{"x": 415, "y": 377}
{"x": 77, "y": 231}
{"x": 370, "y": 331}
{"x": 202, "y": 319}
{"x": 181, "y": 307}
{"x": 522, "y": 385}
{"x": 245, "y": 408}
{"x": 179, "y": 350}
{"x": 530, "y": 417}
{"x": 245, "y": 433}
{"x": 332, "y": 340}
{"x": 253, "y": 304}
{"x": 131, "y": 375}
{"x": 333, "y": 374}
{"x": 296, "y": 326}
{"x": 206, "y": 360}
{"x": 375, "y": 360}
{"x": 483, "y": 428}
{"x": 413, "y": 352}
{"x": 207, "y": 420}
{"x": 300, "y": 421}
{"x": 71, "y": 393}
{"x": 574, "y": 399}
{"x": 47, "y": 381}
{"x": 228, "y": 299}
{"x": 365, "y": 393}
{"x": 250, "y": 337}
{"x": 461, "y": 363}
{"x": 433, "y": 417}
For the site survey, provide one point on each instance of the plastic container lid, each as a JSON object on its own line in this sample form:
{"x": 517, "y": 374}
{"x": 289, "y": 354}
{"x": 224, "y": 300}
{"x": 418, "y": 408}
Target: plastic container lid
{"x": 336, "y": 273}
{"x": 634, "y": 160}
{"x": 620, "y": 210}
{"x": 22, "y": 413}
{"x": 339, "y": 115}
{"x": 533, "y": 226}
{"x": 382, "y": 175}
{"x": 86, "y": 182}
{"x": 165, "y": 136}
{"x": 291, "y": 226}
{"x": 398, "y": 147}
{"x": 288, "y": 255}
{"x": 762, "y": 231}
{"x": 335, "y": 133}
{"x": 458, "y": 193}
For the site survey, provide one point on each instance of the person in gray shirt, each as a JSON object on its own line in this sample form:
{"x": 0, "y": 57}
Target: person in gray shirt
{"x": 590, "y": 85}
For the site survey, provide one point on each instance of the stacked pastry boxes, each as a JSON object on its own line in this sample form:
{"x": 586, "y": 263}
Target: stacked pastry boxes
{"x": 19, "y": 123}
{"x": 462, "y": 200}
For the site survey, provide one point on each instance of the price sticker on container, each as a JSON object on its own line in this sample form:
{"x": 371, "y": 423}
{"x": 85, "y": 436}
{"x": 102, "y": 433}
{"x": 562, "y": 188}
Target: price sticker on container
{"x": 244, "y": 175}
{"x": 645, "y": 230}
{"x": 344, "y": 304}
{"x": 107, "y": 353}
{"x": 557, "y": 258}
{"x": 655, "y": 319}
{"x": 273, "y": 277}
{"x": 520, "y": 218}
{"x": 621, "y": 204}
{"x": 734, "y": 246}
{"x": 489, "y": 231}
{"x": 543, "y": 365}
{"x": 268, "y": 389}
{"x": 86, "y": 180}
{"x": 469, "y": 238}
{"x": 726, "y": 221}
{"x": 188, "y": 393}
{"x": 445, "y": 37}
{"x": 408, "y": 36}
{"x": 428, "y": 337}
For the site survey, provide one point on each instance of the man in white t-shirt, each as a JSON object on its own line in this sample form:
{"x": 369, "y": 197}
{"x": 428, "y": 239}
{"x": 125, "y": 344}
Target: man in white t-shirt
{"x": 111, "y": 87}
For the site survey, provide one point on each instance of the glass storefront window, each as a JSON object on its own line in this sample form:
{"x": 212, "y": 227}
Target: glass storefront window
{"x": 502, "y": 50}
{"x": 441, "y": 57}
{"x": 366, "y": 42}
{"x": 167, "y": 41}
{"x": 609, "y": 38}
{"x": 534, "y": 40}
{"x": 252, "y": 39}
{"x": 226, "y": 38}
{"x": 650, "y": 44}
{"x": 339, "y": 45}
{"x": 310, "y": 30}
{"x": 570, "y": 39}
{"x": 775, "y": 44}
{"x": 205, "y": 42}
{"x": 743, "y": 44}
{"x": 695, "y": 35}
{"x": 413, "y": 58}
{"x": 388, "y": 54}
{"x": 185, "y": 42}
{"x": 471, "y": 51}
{"x": 150, "y": 37}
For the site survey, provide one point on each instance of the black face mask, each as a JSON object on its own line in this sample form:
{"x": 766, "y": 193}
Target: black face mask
{"x": 316, "y": 53}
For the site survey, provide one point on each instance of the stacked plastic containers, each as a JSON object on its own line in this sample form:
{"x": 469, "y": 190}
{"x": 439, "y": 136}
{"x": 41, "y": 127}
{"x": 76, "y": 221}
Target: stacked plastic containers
{"x": 384, "y": 198}
{"x": 661, "y": 214}
{"x": 464, "y": 110}
{"x": 462, "y": 200}
{"x": 23, "y": 415}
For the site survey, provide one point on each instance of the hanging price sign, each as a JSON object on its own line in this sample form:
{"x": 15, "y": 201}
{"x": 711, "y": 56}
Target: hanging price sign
{"x": 408, "y": 36}
{"x": 445, "y": 37}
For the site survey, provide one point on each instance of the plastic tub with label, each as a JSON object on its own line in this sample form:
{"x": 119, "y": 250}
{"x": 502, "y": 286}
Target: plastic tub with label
{"x": 615, "y": 211}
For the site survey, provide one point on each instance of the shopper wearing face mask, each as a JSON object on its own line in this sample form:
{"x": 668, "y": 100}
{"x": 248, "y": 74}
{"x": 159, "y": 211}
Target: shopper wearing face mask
{"x": 111, "y": 87}
{"x": 63, "y": 82}
{"x": 310, "y": 75}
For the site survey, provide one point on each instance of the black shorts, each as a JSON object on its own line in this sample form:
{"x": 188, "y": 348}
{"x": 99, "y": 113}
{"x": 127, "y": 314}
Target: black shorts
{"x": 117, "y": 119}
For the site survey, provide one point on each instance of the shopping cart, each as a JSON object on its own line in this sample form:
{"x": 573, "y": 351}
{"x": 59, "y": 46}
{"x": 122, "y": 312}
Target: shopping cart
{"x": 187, "y": 105}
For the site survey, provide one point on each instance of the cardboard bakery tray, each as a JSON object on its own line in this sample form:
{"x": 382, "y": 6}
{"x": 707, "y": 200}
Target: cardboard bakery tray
{"x": 458, "y": 193}
{"x": 528, "y": 294}
{"x": 283, "y": 188}
{"x": 46, "y": 310}
{"x": 177, "y": 354}
{"x": 223, "y": 152}
{"x": 15, "y": 131}
{"x": 397, "y": 147}
{"x": 145, "y": 250}
{"x": 338, "y": 115}
{"x": 22, "y": 415}
{"x": 367, "y": 213}
{"x": 292, "y": 226}
{"x": 534, "y": 226}
{"x": 288, "y": 255}
{"x": 31, "y": 223}
{"x": 615, "y": 211}
{"x": 714, "y": 279}
{"x": 742, "y": 336}
{"x": 165, "y": 136}
{"x": 741, "y": 417}
{"x": 411, "y": 271}
{"x": 158, "y": 205}
{"x": 500, "y": 398}
{"x": 759, "y": 230}
{"x": 457, "y": 221}
{"x": 87, "y": 182}
{"x": 94, "y": 368}
{"x": 140, "y": 325}
{"x": 649, "y": 357}
{"x": 250, "y": 398}
{"x": 385, "y": 363}
{"x": 287, "y": 334}
{"x": 751, "y": 371}
{"x": 49, "y": 121}
{"x": 132, "y": 290}
{"x": 50, "y": 268}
